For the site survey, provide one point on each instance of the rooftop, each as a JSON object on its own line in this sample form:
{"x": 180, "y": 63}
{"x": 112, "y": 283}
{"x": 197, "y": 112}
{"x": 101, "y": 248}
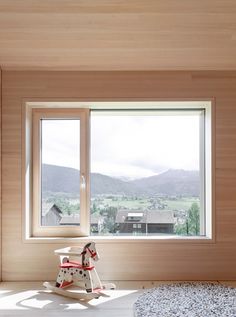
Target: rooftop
{"x": 145, "y": 216}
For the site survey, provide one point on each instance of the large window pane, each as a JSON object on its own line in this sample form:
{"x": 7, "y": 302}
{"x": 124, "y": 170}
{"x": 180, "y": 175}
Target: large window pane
{"x": 147, "y": 173}
{"x": 60, "y": 172}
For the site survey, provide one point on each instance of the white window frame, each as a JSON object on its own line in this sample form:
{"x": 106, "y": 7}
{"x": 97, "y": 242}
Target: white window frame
{"x": 83, "y": 116}
{"x": 32, "y": 227}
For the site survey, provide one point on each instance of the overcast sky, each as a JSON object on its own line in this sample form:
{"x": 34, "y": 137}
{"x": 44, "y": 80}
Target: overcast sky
{"x": 127, "y": 146}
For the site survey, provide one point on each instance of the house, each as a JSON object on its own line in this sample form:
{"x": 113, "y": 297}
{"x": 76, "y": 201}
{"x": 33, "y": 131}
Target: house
{"x": 74, "y": 219}
{"x": 70, "y": 220}
{"x": 53, "y": 216}
{"x": 146, "y": 221}
{"x": 161, "y": 221}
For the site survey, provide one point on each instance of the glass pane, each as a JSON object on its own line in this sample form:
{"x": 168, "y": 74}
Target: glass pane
{"x": 145, "y": 173}
{"x": 60, "y": 172}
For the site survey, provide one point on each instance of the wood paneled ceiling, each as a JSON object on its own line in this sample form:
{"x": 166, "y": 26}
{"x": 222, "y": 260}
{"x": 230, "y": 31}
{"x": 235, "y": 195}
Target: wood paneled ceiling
{"x": 118, "y": 34}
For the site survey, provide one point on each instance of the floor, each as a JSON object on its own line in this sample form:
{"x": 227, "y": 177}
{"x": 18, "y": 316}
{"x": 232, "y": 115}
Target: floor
{"x": 31, "y": 299}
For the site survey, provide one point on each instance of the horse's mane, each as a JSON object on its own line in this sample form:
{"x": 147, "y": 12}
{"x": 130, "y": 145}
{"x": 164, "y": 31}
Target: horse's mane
{"x": 87, "y": 245}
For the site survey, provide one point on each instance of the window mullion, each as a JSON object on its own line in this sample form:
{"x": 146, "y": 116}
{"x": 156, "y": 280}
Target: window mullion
{"x": 202, "y": 173}
{"x": 84, "y": 174}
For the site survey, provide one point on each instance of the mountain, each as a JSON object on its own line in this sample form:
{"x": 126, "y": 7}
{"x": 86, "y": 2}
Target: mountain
{"x": 171, "y": 182}
{"x": 59, "y": 179}
{"x": 102, "y": 184}
{"x": 65, "y": 180}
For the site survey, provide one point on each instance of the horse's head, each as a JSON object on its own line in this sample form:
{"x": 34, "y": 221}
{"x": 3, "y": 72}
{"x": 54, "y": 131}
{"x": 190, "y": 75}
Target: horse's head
{"x": 90, "y": 251}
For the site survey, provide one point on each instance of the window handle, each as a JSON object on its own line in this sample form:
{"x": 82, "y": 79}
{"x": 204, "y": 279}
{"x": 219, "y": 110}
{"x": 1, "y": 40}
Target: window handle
{"x": 83, "y": 182}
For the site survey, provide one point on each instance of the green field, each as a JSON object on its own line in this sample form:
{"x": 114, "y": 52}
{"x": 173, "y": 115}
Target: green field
{"x": 145, "y": 203}
{"x": 181, "y": 203}
{"x": 130, "y": 204}
{"x": 71, "y": 205}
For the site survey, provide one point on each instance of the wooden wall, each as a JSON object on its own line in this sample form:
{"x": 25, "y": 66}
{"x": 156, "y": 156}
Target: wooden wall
{"x": 118, "y": 35}
{"x": 0, "y": 176}
{"x": 127, "y": 260}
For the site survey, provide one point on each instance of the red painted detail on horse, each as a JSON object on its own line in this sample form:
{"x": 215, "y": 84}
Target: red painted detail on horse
{"x": 93, "y": 254}
{"x": 98, "y": 289}
{"x": 76, "y": 265}
{"x": 65, "y": 283}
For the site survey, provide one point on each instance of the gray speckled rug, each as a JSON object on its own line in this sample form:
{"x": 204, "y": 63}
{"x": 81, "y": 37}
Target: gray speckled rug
{"x": 187, "y": 300}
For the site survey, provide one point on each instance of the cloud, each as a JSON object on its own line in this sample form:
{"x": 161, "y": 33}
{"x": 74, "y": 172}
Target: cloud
{"x": 130, "y": 146}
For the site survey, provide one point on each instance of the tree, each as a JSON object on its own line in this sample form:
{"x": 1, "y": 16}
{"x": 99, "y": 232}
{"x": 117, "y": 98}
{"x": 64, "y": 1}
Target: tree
{"x": 109, "y": 215}
{"x": 194, "y": 219}
{"x": 94, "y": 208}
{"x": 180, "y": 229}
{"x": 191, "y": 226}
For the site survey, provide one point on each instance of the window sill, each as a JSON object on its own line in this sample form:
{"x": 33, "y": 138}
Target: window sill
{"x": 122, "y": 239}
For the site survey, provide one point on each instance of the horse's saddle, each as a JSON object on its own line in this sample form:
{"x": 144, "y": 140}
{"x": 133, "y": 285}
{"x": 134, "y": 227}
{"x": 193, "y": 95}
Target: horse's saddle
{"x": 76, "y": 265}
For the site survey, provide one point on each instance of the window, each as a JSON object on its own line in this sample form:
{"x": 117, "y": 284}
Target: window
{"x": 60, "y": 190}
{"x": 60, "y": 168}
{"x": 114, "y": 169}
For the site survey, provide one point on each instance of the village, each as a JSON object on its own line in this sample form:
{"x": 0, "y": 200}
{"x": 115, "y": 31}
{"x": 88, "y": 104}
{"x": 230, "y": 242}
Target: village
{"x": 124, "y": 215}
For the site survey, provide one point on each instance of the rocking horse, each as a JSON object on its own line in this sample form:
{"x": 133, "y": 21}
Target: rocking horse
{"x": 82, "y": 274}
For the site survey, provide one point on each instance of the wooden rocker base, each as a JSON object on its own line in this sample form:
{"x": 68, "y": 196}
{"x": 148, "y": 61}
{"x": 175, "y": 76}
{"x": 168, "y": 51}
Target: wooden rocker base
{"x": 76, "y": 295}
